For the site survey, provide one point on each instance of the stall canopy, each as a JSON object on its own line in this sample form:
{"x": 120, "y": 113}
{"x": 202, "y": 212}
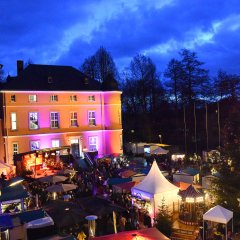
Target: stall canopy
{"x": 39, "y": 223}
{"x": 53, "y": 179}
{"x": 61, "y": 187}
{"x": 13, "y": 193}
{"x": 218, "y": 214}
{"x": 155, "y": 182}
{"x": 159, "y": 151}
{"x": 114, "y": 181}
{"x": 156, "y": 188}
{"x": 146, "y": 233}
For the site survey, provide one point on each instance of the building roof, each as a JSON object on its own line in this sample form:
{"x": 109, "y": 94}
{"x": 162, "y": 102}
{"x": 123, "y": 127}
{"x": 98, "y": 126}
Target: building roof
{"x": 155, "y": 182}
{"x": 51, "y": 78}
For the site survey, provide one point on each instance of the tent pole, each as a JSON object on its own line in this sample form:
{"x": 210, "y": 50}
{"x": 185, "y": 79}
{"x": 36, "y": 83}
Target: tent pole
{"x": 203, "y": 231}
{"x": 226, "y": 231}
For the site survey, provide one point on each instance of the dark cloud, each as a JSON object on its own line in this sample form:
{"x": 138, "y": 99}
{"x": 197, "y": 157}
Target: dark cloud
{"x": 67, "y": 32}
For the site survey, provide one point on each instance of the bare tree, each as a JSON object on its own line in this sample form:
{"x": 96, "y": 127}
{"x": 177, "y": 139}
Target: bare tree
{"x": 100, "y": 66}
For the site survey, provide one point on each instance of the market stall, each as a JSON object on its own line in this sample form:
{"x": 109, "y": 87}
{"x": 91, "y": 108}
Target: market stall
{"x": 154, "y": 190}
{"x": 218, "y": 214}
{"x": 192, "y": 205}
{"x": 41, "y": 162}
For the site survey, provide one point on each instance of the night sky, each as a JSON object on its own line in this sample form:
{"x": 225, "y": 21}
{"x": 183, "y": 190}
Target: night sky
{"x": 65, "y": 32}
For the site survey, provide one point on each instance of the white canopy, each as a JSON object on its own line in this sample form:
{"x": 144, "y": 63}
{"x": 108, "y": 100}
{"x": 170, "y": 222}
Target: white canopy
{"x": 40, "y": 223}
{"x": 218, "y": 214}
{"x": 159, "y": 151}
{"x": 155, "y": 182}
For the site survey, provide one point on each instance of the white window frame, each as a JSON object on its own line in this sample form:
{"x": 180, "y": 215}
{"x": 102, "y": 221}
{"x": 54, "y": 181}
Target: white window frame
{"x": 34, "y": 145}
{"x": 13, "y": 98}
{"x": 91, "y": 98}
{"x": 93, "y": 143}
{"x": 13, "y": 121}
{"x": 73, "y": 98}
{"x": 55, "y": 143}
{"x": 15, "y": 148}
{"x": 54, "y": 121}
{"x": 32, "y": 98}
{"x": 92, "y": 118}
{"x": 54, "y": 98}
{"x": 33, "y": 123}
{"x": 73, "y": 119}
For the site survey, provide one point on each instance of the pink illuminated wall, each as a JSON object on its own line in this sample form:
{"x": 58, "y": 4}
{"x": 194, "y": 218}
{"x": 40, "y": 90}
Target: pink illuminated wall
{"x": 107, "y": 108}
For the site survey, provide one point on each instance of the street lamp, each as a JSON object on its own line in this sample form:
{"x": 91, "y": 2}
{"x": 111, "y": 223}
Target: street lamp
{"x": 132, "y": 132}
{"x": 160, "y": 137}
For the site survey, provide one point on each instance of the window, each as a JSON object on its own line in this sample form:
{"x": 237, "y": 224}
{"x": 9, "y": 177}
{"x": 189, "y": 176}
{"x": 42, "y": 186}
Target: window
{"x": 15, "y": 148}
{"x": 54, "y": 118}
{"x": 73, "y": 98}
{"x": 55, "y": 143}
{"x": 91, "y": 98}
{"x": 32, "y": 98}
{"x": 50, "y": 79}
{"x": 92, "y": 142}
{"x": 34, "y": 145}
{"x": 33, "y": 120}
{"x": 73, "y": 119}
{"x": 121, "y": 142}
{"x": 13, "y": 98}
{"x": 13, "y": 121}
{"x": 54, "y": 98}
{"x": 91, "y": 118}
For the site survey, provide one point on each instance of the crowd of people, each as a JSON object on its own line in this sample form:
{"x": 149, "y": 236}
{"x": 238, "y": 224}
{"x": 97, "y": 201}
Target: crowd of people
{"x": 93, "y": 182}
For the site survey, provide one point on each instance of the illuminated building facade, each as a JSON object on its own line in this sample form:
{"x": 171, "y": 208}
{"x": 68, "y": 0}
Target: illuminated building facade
{"x": 47, "y": 106}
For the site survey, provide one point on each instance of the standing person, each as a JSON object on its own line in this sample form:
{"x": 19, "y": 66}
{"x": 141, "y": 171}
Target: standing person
{"x": 122, "y": 223}
{"x": 147, "y": 220}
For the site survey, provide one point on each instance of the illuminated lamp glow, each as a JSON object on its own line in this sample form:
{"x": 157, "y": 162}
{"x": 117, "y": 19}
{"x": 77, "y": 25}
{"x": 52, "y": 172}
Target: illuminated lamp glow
{"x": 190, "y": 200}
{"x": 199, "y": 199}
{"x": 54, "y": 195}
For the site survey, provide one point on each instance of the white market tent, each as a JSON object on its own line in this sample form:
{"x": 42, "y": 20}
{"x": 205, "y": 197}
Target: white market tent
{"x": 218, "y": 214}
{"x": 158, "y": 151}
{"x": 156, "y": 188}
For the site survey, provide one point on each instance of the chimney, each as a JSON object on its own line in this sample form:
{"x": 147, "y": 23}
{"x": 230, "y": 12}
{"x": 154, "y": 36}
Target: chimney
{"x": 19, "y": 66}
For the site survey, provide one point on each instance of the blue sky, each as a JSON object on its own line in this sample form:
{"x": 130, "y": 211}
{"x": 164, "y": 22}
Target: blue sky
{"x": 65, "y": 32}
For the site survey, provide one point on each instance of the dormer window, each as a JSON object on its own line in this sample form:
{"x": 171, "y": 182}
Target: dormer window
{"x": 91, "y": 98}
{"x": 50, "y": 79}
{"x": 54, "y": 98}
{"x": 86, "y": 81}
{"x": 13, "y": 98}
{"x": 73, "y": 98}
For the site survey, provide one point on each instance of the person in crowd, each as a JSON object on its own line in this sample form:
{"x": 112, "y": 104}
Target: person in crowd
{"x": 147, "y": 220}
{"x": 122, "y": 223}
